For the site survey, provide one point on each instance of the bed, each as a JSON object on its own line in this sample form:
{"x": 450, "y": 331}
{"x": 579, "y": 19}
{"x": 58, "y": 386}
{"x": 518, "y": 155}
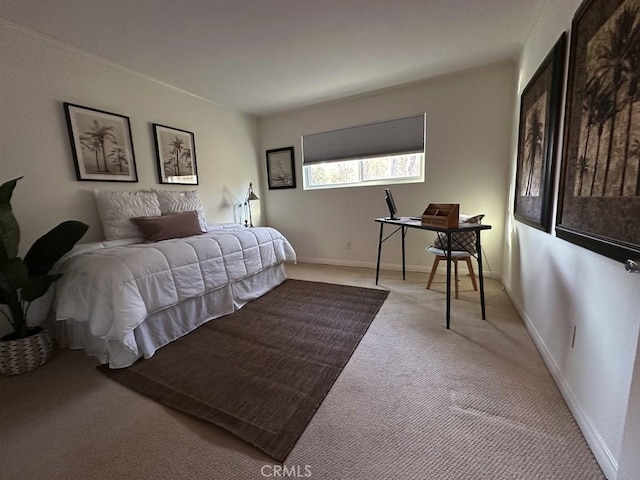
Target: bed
{"x": 124, "y": 298}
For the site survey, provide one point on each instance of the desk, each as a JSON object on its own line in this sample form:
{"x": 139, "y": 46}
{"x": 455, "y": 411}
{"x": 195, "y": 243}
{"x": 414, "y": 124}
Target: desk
{"x": 405, "y": 223}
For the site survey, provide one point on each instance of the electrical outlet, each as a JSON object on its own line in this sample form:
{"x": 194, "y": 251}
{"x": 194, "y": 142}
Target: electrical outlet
{"x": 572, "y": 334}
{"x": 348, "y": 245}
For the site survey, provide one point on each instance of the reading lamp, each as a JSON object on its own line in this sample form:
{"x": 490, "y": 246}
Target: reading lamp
{"x": 251, "y": 195}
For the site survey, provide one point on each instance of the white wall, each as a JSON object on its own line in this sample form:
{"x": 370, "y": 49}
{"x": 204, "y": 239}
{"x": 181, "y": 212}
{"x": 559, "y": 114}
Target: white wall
{"x": 554, "y": 283}
{"x": 629, "y": 459}
{"x": 38, "y": 75}
{"x": 468, "y": 139}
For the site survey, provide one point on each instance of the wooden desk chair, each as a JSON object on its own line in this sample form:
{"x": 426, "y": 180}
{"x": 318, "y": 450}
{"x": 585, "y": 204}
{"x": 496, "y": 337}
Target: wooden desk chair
{"x": 455, "y": 256}
{"x": 463, "y": 247}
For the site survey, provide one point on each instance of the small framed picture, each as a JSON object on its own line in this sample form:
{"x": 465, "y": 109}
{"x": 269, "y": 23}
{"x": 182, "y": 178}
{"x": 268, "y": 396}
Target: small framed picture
{"x": 281, "y": 171}
{"x": 101, "y": 144}
{"x": 176, "y": 154}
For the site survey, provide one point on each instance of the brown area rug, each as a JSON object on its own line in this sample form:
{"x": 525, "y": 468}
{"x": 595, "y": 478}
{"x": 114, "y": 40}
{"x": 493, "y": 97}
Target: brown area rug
{"x": 263, "y": 371}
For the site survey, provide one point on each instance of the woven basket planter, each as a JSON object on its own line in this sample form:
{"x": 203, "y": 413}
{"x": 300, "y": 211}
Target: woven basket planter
{"x": 25, "y": 354}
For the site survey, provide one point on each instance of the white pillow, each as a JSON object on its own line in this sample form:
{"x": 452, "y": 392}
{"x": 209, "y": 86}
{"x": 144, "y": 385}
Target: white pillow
{"x": 172, "y": 201}
{"x": 116, "y": 208}
{"x": 460, "y": 241}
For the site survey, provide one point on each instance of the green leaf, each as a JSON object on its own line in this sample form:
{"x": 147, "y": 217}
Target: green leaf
{"x": 6, "y": 190}
{"x": 50, "y": 248}
{"x": 17, "y": 315}
{"x": 5, "y": 290}
{"x": 14, "y": 272}
{"x": 3, "y": 252}
{"x": 9, "y": 297}
{"x": 9, "y": 228}
{"x": 37, "y": 286}
{"x": 9, "y": 231}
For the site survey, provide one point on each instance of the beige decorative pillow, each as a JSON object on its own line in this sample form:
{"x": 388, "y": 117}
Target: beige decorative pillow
{"x": 116, "y": 208}
{"x": 178, "y": 201}
{"x": 462, "y": 241}
{"x": 164, "y": 227}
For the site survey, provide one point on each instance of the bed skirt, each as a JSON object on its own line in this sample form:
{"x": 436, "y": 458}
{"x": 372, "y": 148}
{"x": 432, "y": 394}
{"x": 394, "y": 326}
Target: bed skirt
{"x": 167, "y": 325}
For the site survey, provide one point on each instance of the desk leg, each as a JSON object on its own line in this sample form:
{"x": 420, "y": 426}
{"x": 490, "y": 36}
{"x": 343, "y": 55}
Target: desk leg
{"x": 404, "y": 232}
{"x": 480, "y": 275}
{"x": 379, "y": 252}
{"x": 448, "y": 278}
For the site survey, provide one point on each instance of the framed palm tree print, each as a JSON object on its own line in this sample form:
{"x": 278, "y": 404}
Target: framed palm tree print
{"x": 176, "y": 154}
{"x": 599, "y": 201}
{"x": 539, "y": 111}
{"x": 101, "y": 144}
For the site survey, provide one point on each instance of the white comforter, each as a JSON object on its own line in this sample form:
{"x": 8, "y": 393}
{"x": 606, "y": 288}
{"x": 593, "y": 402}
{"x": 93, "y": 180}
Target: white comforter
{"x": 115, "y": 288}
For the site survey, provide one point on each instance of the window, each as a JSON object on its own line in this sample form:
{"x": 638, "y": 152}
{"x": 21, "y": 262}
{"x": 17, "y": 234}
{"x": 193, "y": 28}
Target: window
{"x": 385, "y": 152}
{"x": 368, "y": 171}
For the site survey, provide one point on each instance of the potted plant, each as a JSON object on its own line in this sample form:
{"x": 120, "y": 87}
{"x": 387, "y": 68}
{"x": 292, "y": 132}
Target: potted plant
{"x": 24, "y": 280}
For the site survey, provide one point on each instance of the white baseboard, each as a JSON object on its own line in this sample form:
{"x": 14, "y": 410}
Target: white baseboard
{"x": 390, "y": 266}
{"x": 349, "y": 263}
{"x": 603, "y": 455}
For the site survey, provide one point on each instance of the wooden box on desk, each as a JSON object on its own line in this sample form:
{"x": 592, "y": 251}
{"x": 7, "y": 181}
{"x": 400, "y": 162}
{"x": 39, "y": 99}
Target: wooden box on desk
{"x": 443, "y": 215}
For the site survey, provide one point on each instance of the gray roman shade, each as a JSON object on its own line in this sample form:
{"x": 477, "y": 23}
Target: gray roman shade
{"x": 391, "y": 137}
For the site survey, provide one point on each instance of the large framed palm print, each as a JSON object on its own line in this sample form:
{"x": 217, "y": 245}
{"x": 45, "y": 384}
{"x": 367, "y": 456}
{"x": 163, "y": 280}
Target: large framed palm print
{"x": 599, "y": 201}
{"x": 101, "y": 144}
{"x": 539, "y": 111}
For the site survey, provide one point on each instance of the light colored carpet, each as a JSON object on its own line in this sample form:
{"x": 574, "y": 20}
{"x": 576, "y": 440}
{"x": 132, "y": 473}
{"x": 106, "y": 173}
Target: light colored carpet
{"x": 416, "y": 401}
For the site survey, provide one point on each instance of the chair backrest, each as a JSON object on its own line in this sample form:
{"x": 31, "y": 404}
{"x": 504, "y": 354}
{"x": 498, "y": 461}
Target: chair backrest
{"x": 460, "y": 241}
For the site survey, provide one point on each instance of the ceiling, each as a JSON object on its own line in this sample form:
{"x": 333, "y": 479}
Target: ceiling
{"x": 266, "y": 56}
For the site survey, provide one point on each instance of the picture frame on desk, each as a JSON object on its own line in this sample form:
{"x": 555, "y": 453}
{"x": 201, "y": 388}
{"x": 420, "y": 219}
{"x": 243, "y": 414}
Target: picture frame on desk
{"x": 537, "y": 138}
{"x": 599, "y": 197}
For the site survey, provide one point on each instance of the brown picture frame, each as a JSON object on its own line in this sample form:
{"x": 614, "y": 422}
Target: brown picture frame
{"x": 537, "y": 140}
{"x": 599, "y": 198}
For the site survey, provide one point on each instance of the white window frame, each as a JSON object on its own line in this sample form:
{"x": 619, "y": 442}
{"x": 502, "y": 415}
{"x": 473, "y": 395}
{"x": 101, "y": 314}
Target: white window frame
{"x": 383, "y": 139}
{"x": 306, "y": 176}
